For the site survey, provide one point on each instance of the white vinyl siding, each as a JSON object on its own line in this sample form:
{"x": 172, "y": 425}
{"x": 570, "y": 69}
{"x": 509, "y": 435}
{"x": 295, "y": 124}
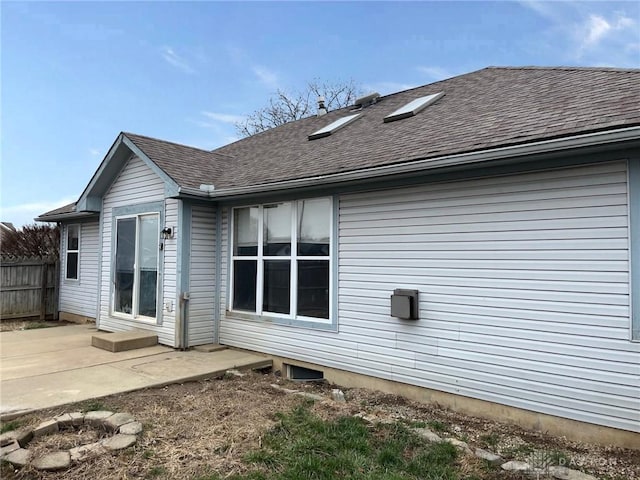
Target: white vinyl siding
{"x": 138, "y": 184}
{"x": 202, "y": 270}
{"x": 524, "y": 293}
{"x": 80, "y": 296}
{"x": 224, "y": 287}
{"x": 169, "y": 291}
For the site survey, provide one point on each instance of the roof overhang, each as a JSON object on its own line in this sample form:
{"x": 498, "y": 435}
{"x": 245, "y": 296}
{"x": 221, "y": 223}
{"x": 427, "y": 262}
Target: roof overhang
{"x": 115, "y": 160}
{"x": 70, "y": 216}
{"x": 609, "y": 139}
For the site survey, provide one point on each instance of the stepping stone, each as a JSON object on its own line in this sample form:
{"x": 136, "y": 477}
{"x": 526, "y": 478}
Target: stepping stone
{"x": 488, "y": 456}
{"x": 77, "y": 418}
{"x": 116, "y": 420}
{"x": 18, "y": 458}
{"x": 45, "y": 428}
{"x": 23, "y": 436}
{"x": 516, "y": 466}
{"x": 64, "y": 421}
{"x": 459, "y": 444}
{"x": 9, "y": 447}
{"x": 96, "y": 418}
{"x": 564, "y": 473}
{"x": 338, "y": 395}
{"x": 119, "y": 442}
{"x": 83, "y": 451}
{"x": 428, "y": 434}
{"x": 132, "y": 428}
{"x": 53, "y": 461}
{"x": 285, "y": 390}
{"x": 6, "y": 438}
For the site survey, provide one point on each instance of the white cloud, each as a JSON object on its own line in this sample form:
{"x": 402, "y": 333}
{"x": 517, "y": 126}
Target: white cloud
{"x": 266, "y": 76}
{"x": 436, "y": 73}
{"x": 597, "y": 31}
{"x": 94, "y": 152}
{"x": 175, "y": 60}
{"x": 588, "y": 32}
{"x": 596, "y": 28}
{"x": 24, "y": 213}
{"x": 223, "y": 117}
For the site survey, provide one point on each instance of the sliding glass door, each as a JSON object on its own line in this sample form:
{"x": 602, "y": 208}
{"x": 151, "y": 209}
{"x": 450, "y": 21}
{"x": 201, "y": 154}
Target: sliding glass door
{"x": 136, "y": 266}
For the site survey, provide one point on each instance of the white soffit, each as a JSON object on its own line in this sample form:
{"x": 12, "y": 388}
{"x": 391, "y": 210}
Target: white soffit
{"x": 413, "y": 107}
{"x": 332, "y": 127}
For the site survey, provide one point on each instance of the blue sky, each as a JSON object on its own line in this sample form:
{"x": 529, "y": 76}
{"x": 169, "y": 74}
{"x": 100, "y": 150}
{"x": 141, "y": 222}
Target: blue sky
{"x": 75, "y": 74}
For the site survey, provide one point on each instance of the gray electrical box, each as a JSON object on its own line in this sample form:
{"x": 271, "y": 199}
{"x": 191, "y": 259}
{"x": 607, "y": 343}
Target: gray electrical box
{"x": 404, "y": 304}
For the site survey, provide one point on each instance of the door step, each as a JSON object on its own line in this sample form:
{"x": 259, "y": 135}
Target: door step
{"x": 123, "y": 341}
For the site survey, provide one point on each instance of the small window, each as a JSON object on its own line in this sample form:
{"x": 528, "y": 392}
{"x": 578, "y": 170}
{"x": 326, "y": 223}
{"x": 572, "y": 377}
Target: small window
{"x": 281, "y": 259}
{"x": 73, "y": 252}
{"x": 334, "y": 126}
{"x": 413, "y": 107}
{"x": 303, "y": 374}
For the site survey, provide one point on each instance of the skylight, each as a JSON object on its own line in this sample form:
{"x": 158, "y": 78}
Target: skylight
{"x": 413, "y": 107}
{"x": 332, "y": 127}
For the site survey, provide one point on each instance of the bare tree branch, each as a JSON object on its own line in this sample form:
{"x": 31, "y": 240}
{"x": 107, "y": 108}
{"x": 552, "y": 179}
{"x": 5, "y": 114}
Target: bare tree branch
{"x": 285, "y": 107}
{"x": 41, "y": 241}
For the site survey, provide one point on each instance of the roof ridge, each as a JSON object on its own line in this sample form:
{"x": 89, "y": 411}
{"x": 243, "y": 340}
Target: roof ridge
{"x": 436, "y": 82}
{"x": 568, "y": 68}
{"x": 166, "y": 141}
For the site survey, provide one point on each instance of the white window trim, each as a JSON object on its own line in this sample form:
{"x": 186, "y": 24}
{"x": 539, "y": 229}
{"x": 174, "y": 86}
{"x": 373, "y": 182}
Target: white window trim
{"x": 67, "y": 251}
{"x": 136, "y": 269}
{"x": 292, "y": 258}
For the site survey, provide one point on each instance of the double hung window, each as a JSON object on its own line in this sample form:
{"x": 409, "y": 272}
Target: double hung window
{"x": 281, "y": 259}
{"x": 73, "y": 252}
{"x": 136, "y": 266}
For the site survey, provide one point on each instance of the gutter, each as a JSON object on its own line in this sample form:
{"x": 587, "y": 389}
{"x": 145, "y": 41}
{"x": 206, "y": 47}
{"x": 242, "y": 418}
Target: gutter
{"x": 501, "y": 153}
{"x": 67, "y": 216}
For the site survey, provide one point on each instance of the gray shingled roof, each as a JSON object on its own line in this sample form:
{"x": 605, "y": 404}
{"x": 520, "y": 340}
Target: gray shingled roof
{"x": 70, "y": 208}
{"x": 489, "y": 108}
{"x": 485, "y": 109}
{"x": 187, "y": 166}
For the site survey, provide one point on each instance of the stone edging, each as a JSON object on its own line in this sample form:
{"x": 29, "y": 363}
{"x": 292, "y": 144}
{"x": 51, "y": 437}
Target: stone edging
{"x": 125, "y": 429}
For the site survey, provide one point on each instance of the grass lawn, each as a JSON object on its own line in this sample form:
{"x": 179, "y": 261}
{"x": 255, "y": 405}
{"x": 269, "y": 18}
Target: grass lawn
{"x": 303, "y": 446}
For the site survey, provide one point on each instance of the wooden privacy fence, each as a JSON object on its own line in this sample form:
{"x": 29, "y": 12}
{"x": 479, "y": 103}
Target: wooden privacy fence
{"x": 29, "y": 288}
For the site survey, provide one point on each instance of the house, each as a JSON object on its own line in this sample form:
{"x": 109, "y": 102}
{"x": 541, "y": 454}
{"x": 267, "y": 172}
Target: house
{"x": 500, "y": 209}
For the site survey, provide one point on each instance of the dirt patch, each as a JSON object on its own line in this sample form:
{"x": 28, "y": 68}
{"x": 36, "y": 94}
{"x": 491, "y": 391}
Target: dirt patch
{"x": 207, "y": 427}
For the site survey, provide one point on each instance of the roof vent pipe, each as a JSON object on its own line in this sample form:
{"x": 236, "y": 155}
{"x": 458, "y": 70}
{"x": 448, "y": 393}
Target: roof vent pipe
{"x": 367, "y": 100}
{"x": 322, "y": 110}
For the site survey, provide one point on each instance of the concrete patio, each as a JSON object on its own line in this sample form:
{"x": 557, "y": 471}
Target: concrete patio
{"x": 48, "y": 367}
